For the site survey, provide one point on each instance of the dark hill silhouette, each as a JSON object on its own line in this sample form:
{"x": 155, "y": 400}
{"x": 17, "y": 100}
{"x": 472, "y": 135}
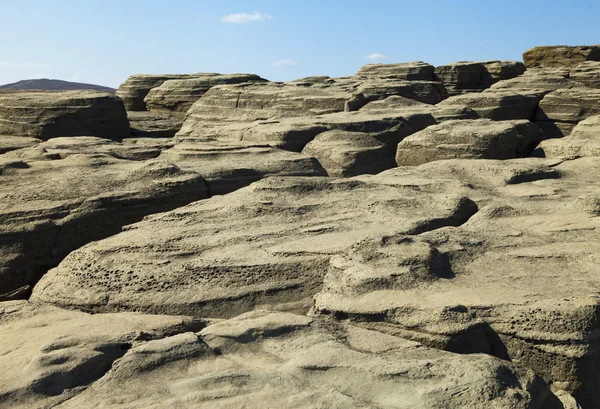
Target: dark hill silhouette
{"x": 54, "y": 85}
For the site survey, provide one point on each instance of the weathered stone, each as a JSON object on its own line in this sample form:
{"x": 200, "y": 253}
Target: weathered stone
{"x": 429, "y": 92}
{"x": 136, "y": 87}
{"x": 345, "y": 153}
{"x": 464, "y": 76}
{"x": 543, "y": 80}
{"x": 561, "y": 110}
{"x": 49, "y": 355}
{"x": 587, "y": 73}
{"x": 583, "y": 141}
{"x": 478, "y": 139}
{"x": 560, "y": 56}
{"x": 276, "y": 360}
{"x": 411, "y": 71}
{"x": 227, "y": 167}
{"x": 10, "y": 143}
{"x": 177, "y": 96}
{"x": 499, "y": 105}
{"x": 152, "y": 124}
{"x": 266, "y": 243}
{"x": 49, "y": 114}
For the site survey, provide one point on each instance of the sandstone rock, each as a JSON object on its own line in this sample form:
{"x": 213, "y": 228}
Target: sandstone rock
{"x": 10, "y": 143}
{"x": 49, "y": 355}
{"x": 516, "y": 281}
{"x": 429, "y": 92}
{"x": 136, "y": 87}
{"x": 463, "y": 76}
{"x": 411, "y": 71}
{"x": 266, "y": 243}
{"x": 499, "y": 105}
{"x": 561, "y": 110}
{"x": 587, "y": 73}
{"x": 152, "y": 124}
{"x": 52, "y": 205}
{"x": 48, "y": 114}
{"x": 227, "y": 167}
{"x": 275, "y": 360}
{"x": 345, "y": 153}
{"x": 178, "y": 95}
{"x": 583, "y": 141}
{"x": 479, "y": 139}
{"x": 536, "y": 79}
{"x": 560, "y": 56}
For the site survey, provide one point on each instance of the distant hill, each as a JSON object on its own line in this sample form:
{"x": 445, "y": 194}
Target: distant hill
{"x": 54, "y": 85}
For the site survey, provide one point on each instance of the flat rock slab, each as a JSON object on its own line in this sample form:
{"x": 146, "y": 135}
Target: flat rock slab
{"x": 56, "y": 199}
{"x": 136, "y": 87}
{"x": 583, "y": 141}
{"x": 587, "y": 73}
{"x": 266, "y": 243}
{"x": 498, "y": 105}
{"x": 346, "y": 154}
{"x": 48, "y": 355}
{"x": 560, "y": 56}
{"x": 278, "y": 360}
{"x": 418, "y": 70}
{"x": 10, "y": 143}
{"x": 176, "y": 96}
{"x": 228, "y": 167}
{"x": 468, "y": 76}
{"x": 49, "y": 114}
{"x": 477, "y": 139}
{"x": 562, "y": 109}
{"x": 538, "y": 79}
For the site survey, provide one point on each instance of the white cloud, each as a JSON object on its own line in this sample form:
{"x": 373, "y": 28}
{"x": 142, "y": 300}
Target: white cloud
{"x": 285, "y": 63}
{"x": 28, "y": 65}
{"x": 377, "y": 57}
{"x": 74, "y": 78}
{"x": 243, "y": 18}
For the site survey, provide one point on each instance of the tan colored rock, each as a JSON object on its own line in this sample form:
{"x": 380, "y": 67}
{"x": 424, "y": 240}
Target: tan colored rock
{"x": 49, "y": 355}
{"x": 467, "y": 76}
{"x": 152, "y": 124}
{"x": 499, "y": 105}
{"x": 418, "y": 70}
{"x": 266, "y": 243}
{"x": 561, "y": 110}
{"x": 477, "y": 139}
{"x": 49, "y": 114}
{"x": 587, "y": 73}
{"x": 176, "y": 96}
{"x": 276, "y": 360}
{"x": 10, "y": 143}
{"x": 136, "y": 87}
{"x": 560, "y": 56}
{"x": 583, "y": 141}
{"x": 346, "y": 154}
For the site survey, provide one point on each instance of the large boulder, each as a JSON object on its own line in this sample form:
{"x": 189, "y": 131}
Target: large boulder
{"x": 270, "y": 360}
{"x": 345, "y": 153}
{"x": 478, "y": 139}
{"x": 136, "y": 87}
{"x": 49, "y": 114}
{"x": 560, "y": 56}
{"x": 587, "y": 73}
{"x": 499, "y": 105}
{"x": 583, "y": 141}
{"x": 561, "y": 110}
{"x": 49, "y": 355}
{"x": 465, "y": 76}
{"x": 429, "y": 92}
{"x": 178, "y": 95}
{"x": 56, "y": 200}
{"x": 266, "y": 243}
{"x": 516, "y": 281}
{"x": 411, "y": 71}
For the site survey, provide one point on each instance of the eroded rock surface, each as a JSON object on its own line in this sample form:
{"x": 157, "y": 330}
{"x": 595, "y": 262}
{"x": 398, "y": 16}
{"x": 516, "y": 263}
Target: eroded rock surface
{"x": 49, "y": 114}
{"x": 562, "y": 109}
{"x": 560, "y": 56}
{"x": 583, "y": 141}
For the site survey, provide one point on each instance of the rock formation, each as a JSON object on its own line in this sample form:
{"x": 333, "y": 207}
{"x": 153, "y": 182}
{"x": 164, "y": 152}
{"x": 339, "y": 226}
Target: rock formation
{"x": 406, "y": 237}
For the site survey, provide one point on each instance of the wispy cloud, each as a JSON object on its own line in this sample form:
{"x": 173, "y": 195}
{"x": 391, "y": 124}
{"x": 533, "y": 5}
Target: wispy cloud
{"x": 243, "y": 18}
{"x": 74, "y": 78}
{"x": 285, "y": 63}
{"x": 377, "y": 57}
{"x": 27, "y": 65}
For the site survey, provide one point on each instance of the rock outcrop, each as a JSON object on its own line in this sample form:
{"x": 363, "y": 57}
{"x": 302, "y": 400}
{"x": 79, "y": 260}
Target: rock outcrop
{"x": 477, "y": 139}
{"x": 583, "y": 141}
{"x": 176, "y": 96}
{"x": 587, "y": 73}
{"x": 412, "y": 71}
{"x": 49, "y": 114}
{"x": 561, "y": 110}
{"x": 560, "y": 56}
{"x": 136, "y": 87}
{"x": 465, "y": 76}
{"x": 153, "y": 124}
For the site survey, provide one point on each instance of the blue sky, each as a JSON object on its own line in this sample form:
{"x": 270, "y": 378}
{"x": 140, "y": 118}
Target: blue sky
{"x": 104, "y": 41}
